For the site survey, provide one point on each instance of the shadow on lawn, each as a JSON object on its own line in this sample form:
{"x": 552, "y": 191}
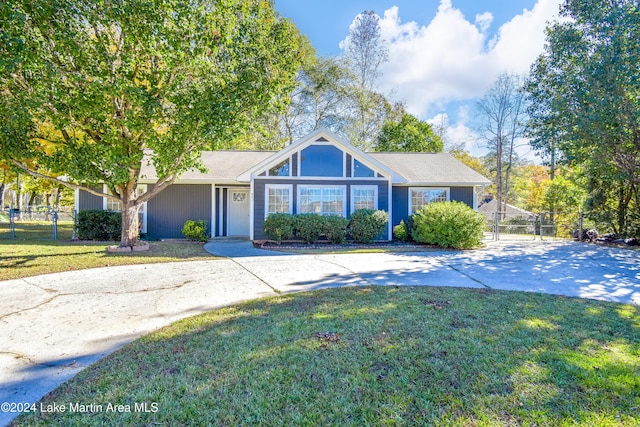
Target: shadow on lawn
{"x": 407, "y": 355}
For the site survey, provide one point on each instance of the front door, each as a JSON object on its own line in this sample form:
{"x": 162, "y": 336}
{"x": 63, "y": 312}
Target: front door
{"x": 239, "y": 208}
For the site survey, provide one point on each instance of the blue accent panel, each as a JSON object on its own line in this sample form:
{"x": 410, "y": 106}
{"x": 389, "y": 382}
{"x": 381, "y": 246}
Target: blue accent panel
{"x": 348, "y": 169}
{"x": 294, "y": 164}
{"x": 321, "y": 160}
{"x": 462, "y": 194}
{"x": 400, "y": 200}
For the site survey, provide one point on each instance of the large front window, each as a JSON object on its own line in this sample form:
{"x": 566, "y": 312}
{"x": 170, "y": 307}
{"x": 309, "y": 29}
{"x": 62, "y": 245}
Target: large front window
{"x": 278, "y": 199}
{"x": 321, "y": 160}
{"x": 322, "y": 200}
{"x": 419, "y": 197}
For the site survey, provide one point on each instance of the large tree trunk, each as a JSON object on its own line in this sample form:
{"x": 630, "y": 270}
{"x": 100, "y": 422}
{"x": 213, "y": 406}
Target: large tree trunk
{"x": 130, "y": 225}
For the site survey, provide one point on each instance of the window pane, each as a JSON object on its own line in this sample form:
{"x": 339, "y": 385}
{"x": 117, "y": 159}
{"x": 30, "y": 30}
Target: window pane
{"x": 321, "y": 160}
{"x": 361, "y": 171}
{"x": 332, "y": 201}
{"x": 420, "y": 197}
{"x": 364, "y": 198}
{"x": 281, "y": 169}
{"x": 278, "y": 200}
{"x": 310, "y": 200}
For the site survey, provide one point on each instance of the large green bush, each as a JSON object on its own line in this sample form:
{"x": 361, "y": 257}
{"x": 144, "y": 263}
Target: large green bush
{"x": 335, "y": 228}
{"x": 401, "y": 232}
{"x": 279, "y": 226}
{"x": 195, "y": 230}
{"x": 448, "y": 224}
{"x": 367, "y": 224}
{"x": 309, "y": 226}
{"x": 98, "y": 225}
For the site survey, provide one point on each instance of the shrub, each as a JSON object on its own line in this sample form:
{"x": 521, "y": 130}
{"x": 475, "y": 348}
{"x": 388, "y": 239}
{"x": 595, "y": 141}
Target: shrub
{"x": 448, "y": 224}
{"x": 367, "y": 224}
{"x": 309, "y": 227}
{"x": 278, "y": 226}
{"x": 335, "y": 228}
{"x": 99, "y": 225}
{"x": 195, "y": 230}
{"x": 400, "y": 232}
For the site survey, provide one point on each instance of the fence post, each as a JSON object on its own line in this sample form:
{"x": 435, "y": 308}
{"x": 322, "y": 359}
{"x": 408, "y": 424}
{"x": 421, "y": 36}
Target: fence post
{"x": 496, "y": 225}
{"x": 54, "y": 219}
{"x": 541, "y": 230}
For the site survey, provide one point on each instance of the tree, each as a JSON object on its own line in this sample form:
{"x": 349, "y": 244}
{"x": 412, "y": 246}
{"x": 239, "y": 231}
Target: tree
{"x": 365, "y": 51}
{"x": 409, "y": 134}
{"x": 93, "y": 91}
{"x": 501, "y": 113}
{"x": 585, "y": 92}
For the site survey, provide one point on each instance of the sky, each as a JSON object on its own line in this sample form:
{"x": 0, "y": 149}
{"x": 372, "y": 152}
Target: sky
{"x": 443, "y": 54}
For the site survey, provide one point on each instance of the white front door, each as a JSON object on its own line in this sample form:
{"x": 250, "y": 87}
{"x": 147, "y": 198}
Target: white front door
{"x": 239, "y": 209}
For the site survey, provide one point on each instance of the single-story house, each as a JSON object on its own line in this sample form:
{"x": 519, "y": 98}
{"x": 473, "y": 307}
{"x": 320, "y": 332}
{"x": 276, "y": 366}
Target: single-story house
{"x": 319, "y": 173}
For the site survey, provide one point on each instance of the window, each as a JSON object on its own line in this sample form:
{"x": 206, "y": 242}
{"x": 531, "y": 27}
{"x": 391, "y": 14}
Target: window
{"x": 322, "y": 200}
{"x": 278, "y": 199}
{"x": 419, "y": 197}
{"x": 321, "y": 160}
{"x": 362, "y": 171}
{"x": 364, "y": 197}
{"x": 281, "y": 169}
{"x": 114, "y": 205}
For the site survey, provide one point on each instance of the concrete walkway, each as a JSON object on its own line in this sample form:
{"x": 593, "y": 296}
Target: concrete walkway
{"x": 53, "y": 326}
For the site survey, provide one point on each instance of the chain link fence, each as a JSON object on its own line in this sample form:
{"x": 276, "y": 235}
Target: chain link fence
{"x": 531, "y": 226}
{"x": 36, "y": 223}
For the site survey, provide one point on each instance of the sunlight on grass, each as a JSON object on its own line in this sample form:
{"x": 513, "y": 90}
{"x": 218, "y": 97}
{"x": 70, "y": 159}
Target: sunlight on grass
{"x": 377, "y": 356}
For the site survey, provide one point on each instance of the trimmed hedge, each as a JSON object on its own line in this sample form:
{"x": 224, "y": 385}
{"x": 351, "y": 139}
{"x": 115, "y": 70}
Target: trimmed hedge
{"x": 335, "y": 228}
{"x": 278, "y": 227}
{"x": 310, "y": 227}
{"x": 195, "y": 230}
{"x": 99, "y": 225}
{"x": 448, "y": 224}
{"x": 367, "y": 224}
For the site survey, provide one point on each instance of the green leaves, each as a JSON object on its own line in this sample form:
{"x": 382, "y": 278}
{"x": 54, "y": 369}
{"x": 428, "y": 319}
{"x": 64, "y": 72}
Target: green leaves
{"x": 409, "y": 134}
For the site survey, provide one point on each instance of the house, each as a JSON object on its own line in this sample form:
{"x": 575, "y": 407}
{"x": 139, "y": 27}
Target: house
{"x": 318, "y": 173}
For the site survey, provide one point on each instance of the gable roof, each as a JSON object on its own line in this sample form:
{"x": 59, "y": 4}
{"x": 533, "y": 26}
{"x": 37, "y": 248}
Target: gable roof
{"x": 430, "y": 169}
{"x": 322, "y": 136}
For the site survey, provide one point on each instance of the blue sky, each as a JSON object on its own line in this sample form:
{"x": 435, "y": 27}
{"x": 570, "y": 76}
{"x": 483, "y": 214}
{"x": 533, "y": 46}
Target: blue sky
{"x": 443, "y": 54}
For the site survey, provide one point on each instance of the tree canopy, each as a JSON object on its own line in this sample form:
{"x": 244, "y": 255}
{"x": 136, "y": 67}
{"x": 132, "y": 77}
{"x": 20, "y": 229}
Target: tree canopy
{"x": 93, "y": 90}
{"x": 585, "y": 103}
{"x": 409, "y": 134}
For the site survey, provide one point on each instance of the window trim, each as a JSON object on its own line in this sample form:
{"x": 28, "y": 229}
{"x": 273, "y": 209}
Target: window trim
{"x": 411, "y": 189}
{"x": 322, "y": 187}
{"x": 268, "y": 187}
{"x": 364, "y": 187}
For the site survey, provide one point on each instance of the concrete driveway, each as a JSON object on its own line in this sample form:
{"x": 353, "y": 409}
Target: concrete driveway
{"x": 55, "y": 325}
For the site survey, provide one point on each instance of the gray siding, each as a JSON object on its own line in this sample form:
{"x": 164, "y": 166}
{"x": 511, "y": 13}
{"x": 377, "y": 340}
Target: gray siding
{"x": 167, "y": 212}
{"x": 88, "y": 201}
{"x": 401, "y": 200}
{"x": 259, "y": 196}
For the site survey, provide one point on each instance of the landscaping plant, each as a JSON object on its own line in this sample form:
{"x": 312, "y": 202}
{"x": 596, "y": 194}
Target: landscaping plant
{"x": 195, "y": 230}
{"x": 309, "y": 226}
{"x": 279, "y": 226}
{"x": 98, "y": 225}
{"x": 367, "y": 224}
{"x": 335, "y": 228}
{"x": 400, "y": 232}
{"x": 448, "y": 224}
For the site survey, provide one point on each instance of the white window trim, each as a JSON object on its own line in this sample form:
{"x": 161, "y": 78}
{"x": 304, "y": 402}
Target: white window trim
{"x": 344, "y": 195}
{"x": 268, "y": 187}
{"x": 411, "y": 189}
{"x": 364, "y": 187}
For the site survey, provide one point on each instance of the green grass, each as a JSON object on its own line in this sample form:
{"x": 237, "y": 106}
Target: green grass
{"x": 375, "y": 356}
{"x": 33, "y": 252}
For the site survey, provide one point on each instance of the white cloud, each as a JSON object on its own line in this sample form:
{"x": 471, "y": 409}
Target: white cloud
{"x": 452, "y": 59}
{"x": 484, "y": 21}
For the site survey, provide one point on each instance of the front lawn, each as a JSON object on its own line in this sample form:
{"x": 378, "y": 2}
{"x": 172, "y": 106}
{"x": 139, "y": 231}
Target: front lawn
{"x": 374, "y": 356}
{"x": 33, "y": 252}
